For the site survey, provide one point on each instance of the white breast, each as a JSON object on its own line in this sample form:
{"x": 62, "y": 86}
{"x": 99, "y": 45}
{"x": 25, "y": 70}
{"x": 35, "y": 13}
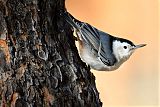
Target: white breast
{"x": 95, "y": 63}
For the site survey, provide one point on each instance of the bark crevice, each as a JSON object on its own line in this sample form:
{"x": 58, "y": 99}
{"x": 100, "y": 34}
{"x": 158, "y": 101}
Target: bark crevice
{"x": 39, "y": 62}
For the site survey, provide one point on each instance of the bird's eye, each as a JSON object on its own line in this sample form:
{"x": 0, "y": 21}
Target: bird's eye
{"x": 125, "y": 47}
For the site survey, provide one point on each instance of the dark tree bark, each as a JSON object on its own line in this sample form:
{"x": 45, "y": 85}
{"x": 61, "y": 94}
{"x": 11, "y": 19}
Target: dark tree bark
{"x": 39, "y": 62}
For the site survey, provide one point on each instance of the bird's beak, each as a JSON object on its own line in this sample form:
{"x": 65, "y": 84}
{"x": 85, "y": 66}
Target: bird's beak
{"x": 139, "y": 46}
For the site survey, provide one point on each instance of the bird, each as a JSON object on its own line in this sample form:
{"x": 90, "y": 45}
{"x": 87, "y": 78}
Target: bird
{"x": 100, "y": 50}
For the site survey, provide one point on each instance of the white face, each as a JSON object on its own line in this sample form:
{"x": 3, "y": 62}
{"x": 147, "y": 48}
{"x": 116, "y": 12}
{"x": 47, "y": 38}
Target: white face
{"x": 122, "y": 50}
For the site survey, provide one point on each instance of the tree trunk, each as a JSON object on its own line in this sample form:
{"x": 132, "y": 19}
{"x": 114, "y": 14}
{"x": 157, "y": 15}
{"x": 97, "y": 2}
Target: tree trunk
{"x": 39, "y": 62}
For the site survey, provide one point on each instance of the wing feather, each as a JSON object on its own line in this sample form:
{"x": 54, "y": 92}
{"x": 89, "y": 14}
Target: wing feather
{"x": 99, "y": 41}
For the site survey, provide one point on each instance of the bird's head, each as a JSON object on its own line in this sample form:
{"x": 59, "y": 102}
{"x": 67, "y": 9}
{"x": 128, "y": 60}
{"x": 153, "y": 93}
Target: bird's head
{"x": 123, "y": 48}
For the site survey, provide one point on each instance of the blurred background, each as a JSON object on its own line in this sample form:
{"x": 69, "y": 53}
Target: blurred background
{"x": 136, "y": 82}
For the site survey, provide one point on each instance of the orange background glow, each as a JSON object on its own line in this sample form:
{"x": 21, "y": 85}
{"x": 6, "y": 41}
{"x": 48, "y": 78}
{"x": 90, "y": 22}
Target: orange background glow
{"x": 135, "y": 83}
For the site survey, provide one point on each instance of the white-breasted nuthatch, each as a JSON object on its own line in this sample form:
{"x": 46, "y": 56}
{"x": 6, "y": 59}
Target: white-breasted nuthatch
{"x": 100, "y": 50}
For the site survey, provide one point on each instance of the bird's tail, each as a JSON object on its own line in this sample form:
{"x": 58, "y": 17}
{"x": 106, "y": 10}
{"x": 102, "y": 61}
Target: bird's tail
{"x": 71, "y": 20}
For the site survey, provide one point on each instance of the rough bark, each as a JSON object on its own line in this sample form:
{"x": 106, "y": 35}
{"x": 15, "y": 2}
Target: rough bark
{"x": 39, "y": 62}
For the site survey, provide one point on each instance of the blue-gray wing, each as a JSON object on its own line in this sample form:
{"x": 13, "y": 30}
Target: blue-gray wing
{"x": 100, "y": 42}
{"x": 105, "y": 52}
{"x": 90, "y": 36}
{"x": 87, "y": 33}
